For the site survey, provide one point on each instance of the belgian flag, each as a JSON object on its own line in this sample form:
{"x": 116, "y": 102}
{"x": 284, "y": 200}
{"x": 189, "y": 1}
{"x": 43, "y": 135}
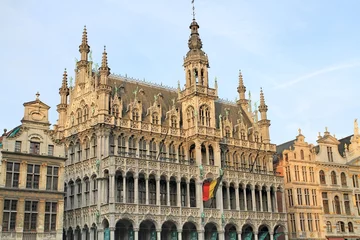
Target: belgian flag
{"x": 210, "y": 187}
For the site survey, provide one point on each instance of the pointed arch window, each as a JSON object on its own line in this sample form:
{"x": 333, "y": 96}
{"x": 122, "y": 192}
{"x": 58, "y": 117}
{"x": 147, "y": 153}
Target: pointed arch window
{"x": 243, "y": 161}
{"x": 121, "y": 145}
{"x": 162, "y": 148}
{"x": 211, "y": 156}
{"x": 181, "y": 153}
{"x": 172, "y": 153}
{"x": 79, "y": 116}
{"x": 152, "y": 149}
{"x": 115, "y": 111}
{"x": 87, "y": 148}
{"x": 204, "y": 116}
{"x": 142, "y": 189}
{"x": 155, "y": 118}
{"x": 132, "y": 146}
{"x": 86, "y": 113}
{"x": 190, "y": 116}
{"x": 227, "y": 132}
{"x": 236, "y": 161}
{"x": 94, "y": 146}
{"x": 152, "y": 190}
{"x": 322, "y": 177}
{"x": 333, "y": 178}
{"x": 174, "y": 121}
{"x": 111, "y": 144}
{"x": 142, "y": 148}
{"x": 135, "y": 115}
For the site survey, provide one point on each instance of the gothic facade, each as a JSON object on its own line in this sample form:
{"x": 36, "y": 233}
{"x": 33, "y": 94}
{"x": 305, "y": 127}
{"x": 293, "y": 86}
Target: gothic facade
{"x": 321, "y": 185}
{"x": 138, "y": 154}
{"x": 31, "y": 178}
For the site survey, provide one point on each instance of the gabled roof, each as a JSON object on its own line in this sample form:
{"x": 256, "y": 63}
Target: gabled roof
{"x": 37, "y": 101}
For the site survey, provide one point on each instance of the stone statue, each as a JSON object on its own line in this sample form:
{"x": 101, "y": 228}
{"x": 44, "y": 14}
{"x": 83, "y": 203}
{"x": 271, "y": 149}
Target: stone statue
{"x": 97, "y": 214}
{"x": 96, "y": 67}
{"x": 220, "y": 117}
{"x": 156, "y": 97}
{"x": 173, "y": 101}
{"x": 201, "y": 171}
{"x": 346, "y": 147}
{"x": 98, "y": 165}
{"x": 72, "y": 119}
{"x": 356, "y": 128}
{"x": 227, "y": 112}
{"x": 299, "y": 131}
{"x": 136, "y": 91}
{"x": 202, "y": 218}
{"x": 223, "y": 219}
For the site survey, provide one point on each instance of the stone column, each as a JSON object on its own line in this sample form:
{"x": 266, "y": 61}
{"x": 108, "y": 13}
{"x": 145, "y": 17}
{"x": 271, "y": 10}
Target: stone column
{"x": 92, "y": 233}
{"x": 245, "y": 200}
{"x": 260, "y": 200}
{"x": 136, "y": 233}
{"x": 42, "y": 179}
{"x": 147, "y": 190}
{"x": 239, "y": 235}
{"x": 201, "y": 235}
{"x": 187, "y": 193}
{"x": 111, "y": 188}
{"x": 221, "y": 235}
{"x": 268, "y": 199}
{"x": 59, "y": 217}
{"x": 237, "y": 197}
{"x": 207, "y": 155}
{"x": 158, "y": 234}
{"x": 124, "y": 189}
{"x": 271, "y": 235}
{"x": 83, "y": 234}
{"x": 286, "y": 236}
{"x": 100, "y": 234}
{"x": 22, "y": 175}
{"x": 158, "y": 191}
{"x": 179, "y": 234}
{"x": 228, "y": 196}
{"x": 219, "y": 198}
{"x": 178, "y": 194}
{"x": 112, "y": 233}
{"x": 1, "y": 206}
{"x": 253, "y": 198}
{"x": 283, "y": 200}
{"x": 198, "y": 151}
{"x": 199, "y": 196}
{"x": 256, "y": 235}
{"x": 168, "y": 192}
{"x": 275, "y": 201}
{"x": 136, "y": 189}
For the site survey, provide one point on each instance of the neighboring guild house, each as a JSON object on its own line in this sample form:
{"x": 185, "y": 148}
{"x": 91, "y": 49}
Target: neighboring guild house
{"x": 321, "y": 186}
{"x": 31, "y": 178}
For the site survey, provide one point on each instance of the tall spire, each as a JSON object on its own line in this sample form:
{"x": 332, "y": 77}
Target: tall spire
{"x": 241, "y": 88}
{"x": 64, "y": 81}
{"x": 104, "y": 69}
{"x": 263, "y": 107}
{"x": 84, "y": 48}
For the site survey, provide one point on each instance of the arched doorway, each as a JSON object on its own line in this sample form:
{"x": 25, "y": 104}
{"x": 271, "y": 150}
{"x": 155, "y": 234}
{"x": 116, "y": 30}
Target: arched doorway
{"x": 86, "y": 232}
{"x": 189, "y": 231}
{"x": 230, "y": 232}
{"x": 279, "y": 232}
{"x": 211, "y": 231}
{"x": 147, "y": 230}
{"x": 247, "y": 232}
{"x": 263, "y": 233}
{"x": 169, "y": 231}
{"x": 124, "y": 229}
{"x": 106, "y": 225}
{"x": 70, "y": 234}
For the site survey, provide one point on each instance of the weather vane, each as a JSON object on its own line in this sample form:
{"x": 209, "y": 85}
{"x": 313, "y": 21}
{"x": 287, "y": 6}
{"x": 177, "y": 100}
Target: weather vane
{"x": 193, "y": 8}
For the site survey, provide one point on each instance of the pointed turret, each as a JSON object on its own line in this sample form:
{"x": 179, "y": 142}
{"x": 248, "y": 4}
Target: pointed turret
{"x": 263, "y": 107}
{"x": 61, "y": 108}
{"x": 104, "y": 70}
{"x": 264, "y": 123}
{"x": 243, "y": 102}
{"x": 84, "y": 48}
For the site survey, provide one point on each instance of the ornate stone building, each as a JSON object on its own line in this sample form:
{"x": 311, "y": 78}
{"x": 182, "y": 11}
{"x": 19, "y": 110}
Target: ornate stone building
{"x": 138, "y": 154}
{"x": 321, "y": 185}
{"x": 31, "y": 178}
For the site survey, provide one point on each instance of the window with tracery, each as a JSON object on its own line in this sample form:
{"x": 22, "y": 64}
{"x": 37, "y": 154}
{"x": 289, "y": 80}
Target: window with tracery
{"x": 211, "y": 156}
{"x": 173, "y": 121}
{"x": 142, "y": 148}
{"x": 121, "y": 145}
{"x": 86, "y": 113}
{"x": 227, "y": 132}
{"x": 135, "y": 115}
{"x": 79, "y": 116}
{"x": 155, "y": 118}
{"x": 181, "y": 153}
{"x": 172, "y": 153}
{"x": 242, "y": 134}
{"x": 132, "y": 146}
{"x": 152, "y": 149}
{"x": 190, "y": 116}
{"x": 205, "y": 116}
{"x": 162, "y": 148}
{"x": 115, "y": 111}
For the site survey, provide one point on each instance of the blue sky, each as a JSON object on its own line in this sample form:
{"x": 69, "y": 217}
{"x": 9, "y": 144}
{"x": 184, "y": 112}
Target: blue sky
{"x": 305, "y": 54}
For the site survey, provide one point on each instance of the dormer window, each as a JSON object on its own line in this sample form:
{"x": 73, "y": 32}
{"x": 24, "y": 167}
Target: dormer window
{"x": 330, "y": 155}
{"x": 34, "y": 147}
{"x": 135, "y": 115}
{"x": 79, "y": 116}
{"x": 155, "y": 118}
{"x": 173, "y": 121}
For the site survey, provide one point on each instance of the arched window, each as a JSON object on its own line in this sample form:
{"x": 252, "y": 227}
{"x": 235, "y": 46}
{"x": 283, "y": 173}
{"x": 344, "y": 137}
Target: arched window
{"x": 351, "y": 227}
{"x": 152, "y": 149}
{"x": 181, "y": 153}
{"x": 162, "y": 148}
{"x": 142, "y": 189}
{"x": 152, "y": 190}
{"x": 132, "y": 146}
{"x": 190, "y": 117}
{"x": 111, "y": 144}
{"x": 337, "y": 205}
{"x": 242, "y": 134}
{"x": 256, "y": 137}
{"x": 163, "y": 191}
{"x": 78, "y": 151}
{"x": 236, "y": 161}
{"x": 71, "y": 153}
{"x": 172, "y": 153}
{"x": 173, "y": 121}
{"x": 227, "y": 132}
{"x": 192, "y": 188}
{"x": 86, "y": 113}
{"x": 333, "y": 178}
{"x": 340, "y": 226}
{"x": 142, "y": 148}
{"x": 343, "y": 179}
{"x": 328, "y": 227}
{"x": 205, "y": 116}
{"x": 79, "y": 116}
{"x": 115, "y": 111}
{"x": 121, "y": 145}
{"x": 211, "y": 156}
{"x": 155, "y": 118}
{"x": 135, "y": 115}
{"x": 322, "y": 177}
{"x": 243, "y": 161}
{"x": 87, "y": 148}
{"x": 264, "y": 165}
{"x": 93, "y": 146}
{"x": 355, "y": 181}
{"x": 302, "y": 154}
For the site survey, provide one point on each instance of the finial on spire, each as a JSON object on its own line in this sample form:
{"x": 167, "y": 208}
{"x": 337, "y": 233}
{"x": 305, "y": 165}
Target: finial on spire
{"x": 104, "y": 58}
{"x": 193, "y": 8}
{"x": 84, "y": 48}
{"x": 299, "y": 131}
{"x": 241, "y": 80}
{"x": 84, "y": 36}
{"x": 64, "y": 81}
{"x": 262, "y": 99}
{"x": 37, "y": 95}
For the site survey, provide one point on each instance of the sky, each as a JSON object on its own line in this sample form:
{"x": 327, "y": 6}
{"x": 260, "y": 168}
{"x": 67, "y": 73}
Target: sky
{"x": 305, "y": 54}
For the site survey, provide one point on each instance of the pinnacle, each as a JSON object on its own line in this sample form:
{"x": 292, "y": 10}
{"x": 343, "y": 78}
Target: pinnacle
{"x": 262, "y": 99}
{"x": 104, "y": 63}
{"x": 64, "y": 81}
{"x": 84, "y": 37}
{"x": 241, "y": 80}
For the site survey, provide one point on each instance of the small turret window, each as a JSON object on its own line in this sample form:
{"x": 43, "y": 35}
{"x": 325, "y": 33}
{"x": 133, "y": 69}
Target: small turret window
{"x": 173, "y": 121}
{"x": 205, "y": 116}
{"x": 155, "y": 118}
{"x": 135, "y": 115}
{"x": 190, "y": 116}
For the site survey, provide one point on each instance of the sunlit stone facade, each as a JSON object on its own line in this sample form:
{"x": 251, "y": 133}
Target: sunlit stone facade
{"x": 138, "y": 154}
{"x": 31, "y": 178}
{"x": 321, "y": 185}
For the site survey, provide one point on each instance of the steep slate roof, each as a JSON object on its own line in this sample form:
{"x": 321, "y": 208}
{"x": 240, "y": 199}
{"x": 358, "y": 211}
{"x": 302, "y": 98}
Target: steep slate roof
{"x": 342, "y": 142}
{"x": 280, "y": 148}
{"x": 146, "y": 92}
